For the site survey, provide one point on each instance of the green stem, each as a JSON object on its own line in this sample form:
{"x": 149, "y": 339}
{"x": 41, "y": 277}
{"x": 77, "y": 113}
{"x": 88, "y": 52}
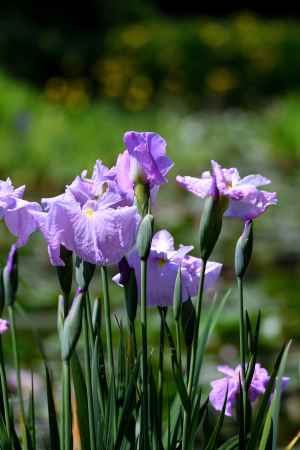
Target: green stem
{"x": 144, "y": 350}
{"x": 242, "y": 328}
{"x": 88, "y": 377}
{"x": 178, "y": 343}
{"x": 242, "y": 348}
{"x": 194, "y": 352}
{"x": 18, "y": 372}
{"x": 162, "y": 313}
{"x": 133, "y": 338}
{"x": 67, "y": 406}
{"x": 4, "y": 392}
{"x": 108, "y": 322}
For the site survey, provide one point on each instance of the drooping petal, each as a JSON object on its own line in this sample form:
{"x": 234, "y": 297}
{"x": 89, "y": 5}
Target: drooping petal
{"x": 198, "y": 186}
{"x": 20, "y": 220}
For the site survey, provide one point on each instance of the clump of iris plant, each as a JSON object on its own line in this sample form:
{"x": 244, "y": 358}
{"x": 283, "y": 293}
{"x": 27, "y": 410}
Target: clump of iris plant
{"x": 125, "y": 398}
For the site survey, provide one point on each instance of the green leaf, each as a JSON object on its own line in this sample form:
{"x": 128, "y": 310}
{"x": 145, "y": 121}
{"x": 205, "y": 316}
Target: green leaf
{"x": 181, "y": 387}
{"x": 231, "y": 444}
{"x": 271, "y": 423}
{"x": 81, "y": 401}
{"x": 31, "y": 417}
{"x": 212, "y": 443}
{"x": 210, "y": 323}
{"x": 264, "y": 404}
{"x": 52, "y": 418}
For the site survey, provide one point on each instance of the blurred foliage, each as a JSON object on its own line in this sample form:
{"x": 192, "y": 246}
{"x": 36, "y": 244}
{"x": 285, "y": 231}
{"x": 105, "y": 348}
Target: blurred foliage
{"x": 136, "y": 58}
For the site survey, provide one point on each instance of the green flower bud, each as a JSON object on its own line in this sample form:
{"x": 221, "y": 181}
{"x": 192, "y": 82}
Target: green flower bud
{"x": 65, "y": 273}
{"x": 144, "y": 236}
{"x": 243, "y": 250}
{"x": 211, "y": 224}
{"x": 142, "y": 197}
{"x": 177, "y": 296}
{"x": 10, "y": 277}
{"x": 84, "y": 272}
{"x": 131, "y": 296}
{"x": 72, "y": 327}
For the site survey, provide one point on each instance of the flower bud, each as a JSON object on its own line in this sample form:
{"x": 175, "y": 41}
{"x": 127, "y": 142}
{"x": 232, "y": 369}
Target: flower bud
{"x": 188, "y": 319}
{"x": 65, "y": 273}
{"x": 96, "y": 316}
{"x": 131, "y": 296}
{"x": 84, "y": 272}
{"x": 211, "y": 224}
{"x": 177, "y": 296}
{"x": 144, "y": 236}
{"x": 142, "y": 197}
{"x": 243, "y": 249}
{"x": 10, "y": 277}
{"x": 72, "y": 327}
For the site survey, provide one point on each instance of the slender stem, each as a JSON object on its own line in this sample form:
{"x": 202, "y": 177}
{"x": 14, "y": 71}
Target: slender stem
{"x": 4, "y": 392}
{"x": 162, "y": 313}
{"x": 194, "y": 351}
{"x": 63, "y": 408}
{"x": 109, "y": 336}
{"x": 242, "y": 348}
{"x": 17, "y": 368}
{"x": 242, "y": 328}
{"x": 90, "y": 321}
{"x": 178, "y": 343}
{"x": 67, "y": 406}
{"x": 88, "y": 377}
{"x": 108, "y": 322}
{"x": 144, "y": 348}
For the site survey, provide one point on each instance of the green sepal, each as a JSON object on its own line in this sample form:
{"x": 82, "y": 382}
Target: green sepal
{"x": 144, "y": 236}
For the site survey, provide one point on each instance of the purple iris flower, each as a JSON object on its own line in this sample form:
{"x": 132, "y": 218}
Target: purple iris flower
{"x": 163, "y": 263}
{"x": 4, "y": 326}
{"x": 231, "y": 381}
{"x": 144, "y": 160}
{"x": 89, "y": 220}
{"x": 18, "y": 214}
{"x": 245, "y": 199}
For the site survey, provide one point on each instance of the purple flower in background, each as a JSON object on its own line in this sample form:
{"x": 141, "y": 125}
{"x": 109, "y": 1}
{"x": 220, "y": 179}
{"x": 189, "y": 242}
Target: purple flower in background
{"x": 163, "y": 263}
{"x": 18, "y": 214}
{"x": 245, "y": 199}
{"x": 88, "y": 220}
{"x": 231, "y": 381}
{"x": 4, "y": 326}
{"x": 144, "y": 160}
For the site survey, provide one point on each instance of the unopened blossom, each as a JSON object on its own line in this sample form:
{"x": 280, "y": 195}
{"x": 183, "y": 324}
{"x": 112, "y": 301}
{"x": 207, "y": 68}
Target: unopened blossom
{"x": 4, "y": 326}
{"x": 231, "y": 382}
{"x": 245, "y": 199}
{"x": 143, "y": 161}
{"x": 17, "y": 213}
{"x": 88, "y": 220}
{"x": 162, "y": 267}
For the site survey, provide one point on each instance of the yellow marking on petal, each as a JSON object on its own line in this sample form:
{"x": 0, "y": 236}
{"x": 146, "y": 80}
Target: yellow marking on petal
{"x": 161, "y": 262}
{"x": 89, "y": 212}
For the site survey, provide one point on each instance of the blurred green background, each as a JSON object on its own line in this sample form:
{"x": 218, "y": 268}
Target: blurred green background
{"x": 216, "y": 86}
